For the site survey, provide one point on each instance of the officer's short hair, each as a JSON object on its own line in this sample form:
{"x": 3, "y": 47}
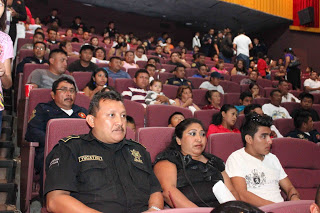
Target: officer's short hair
{"x": 94, "y": 104}
{"x": 56, "y": 51}
{"x": 40, "y": 42}
{"x": 57, "y": 82}
{"x": 300, "y": 118}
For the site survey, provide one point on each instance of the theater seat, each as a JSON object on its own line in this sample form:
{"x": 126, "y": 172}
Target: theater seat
{"x": 299, "y": 206}
{"x": 230, "y": 87}
{"x": 199, "y": 97}
{"x": 164, "y": 76}
{"x": 122, "y": 84}
{"x": 168, "y": 67}
{"x": 205, "y": 116}
{"x": 290, "y": 106}
{"x": 82, "y": 79}
{"x": 238, "y": 78}
{"x": 136, "y": 111}
{"x": 239, "y": 122}
{"x": 196, "y": 82}
{"x": 231, "y": 98}
{"x": 223, "y": 144}
{"x": 191, "y": 71}
{"x": 132, "y": 71}
{"x": 300, "y": 160}
{"x": 316, "y": 125}
{"x": 170, "y": 91}
{"x": 155, "y": 139}
{"x": 284, "y": 125}
{"x": 264, "y": 82}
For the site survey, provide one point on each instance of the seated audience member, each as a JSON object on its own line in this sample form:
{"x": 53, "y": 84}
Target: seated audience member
{"x": 306, "y": 73}
{"x": 52, "y": 36}
{"x": 312, "y": 85}
{"x": 139, "y": 54}
{"x": 306, "y": 105}
{"x": 139, "y": 92}
{"x": 175, "y": 118}
{"x": 273, "y": 109}
{"x": 99, "y": 56}
{"x": 214, "y": 99}
{"x": 131, "y": 123}
{"x": 184, "y": 98}
{"x": 245, "y": 100}
{"x": 220, "y": 68}
{"x": 152, "y": 72}
{"x": 213, "y": 84}
{"x": 84, "y": 64}
{"x": 114, "y": 69}
{"x": 168, "y": 43}
{"x": 62, "y": 106}
{"x": 39, "y": 50}
{"x": 175, "y": 59}
{"x": 155, "y": 94}
{"x": 68, "y": 34}
{"x": 76, "y": 23}
{"x": 119, "y": 50}
{"x": 186, "y": 172}
{"x": 42, "y": 78}
{"x": 303, "y": 124}
{"x": 98, "y": 81}
{"x": 86, "y": 37}
{"x": 179, "y": 77}
{"x": 239, "y": 68}
{"x": 158, "y": 52}
{"x": 315, "y": 207}
{"x": 262, "y": 65}
{"x": 129, "y": 61}
{"x": 257, "y": 108}
{"x": 224, "y": 121}
{"x": 67, "y": 47}
{"x": 199, "y": 59}
{"x": 253, "y": 76}
{"x": 103, "y": 171}
{"x": 202, "y": 72}
{"x": 256, "y": 173}
{"x": 255, "y": 90}
{"x": 281, "y": 73}
{"x": 106, "y": 41}
{"x": 37, "y": 37}
{"x": 236, "y": 207}
{"x": 215, "y": 58}
{"x": 283, "y": 86}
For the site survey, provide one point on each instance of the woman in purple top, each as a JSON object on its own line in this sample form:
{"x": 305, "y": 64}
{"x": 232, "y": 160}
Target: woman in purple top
{"x": 6, "y": 53}
{"x": 293, "y": 72}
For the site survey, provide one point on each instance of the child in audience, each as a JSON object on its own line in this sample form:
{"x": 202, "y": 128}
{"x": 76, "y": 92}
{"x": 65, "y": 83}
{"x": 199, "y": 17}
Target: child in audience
{"x": 224, "y": 121}
{"x": 131, "y": 123}
{"x": 175, "y": 119}
{"x": 245, "y": 100}
{"x": 154, "y": 93}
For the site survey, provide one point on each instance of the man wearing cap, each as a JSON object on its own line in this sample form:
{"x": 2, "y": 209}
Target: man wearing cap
{"x": 84, "y": 64}
{"x": 213, "y": 84}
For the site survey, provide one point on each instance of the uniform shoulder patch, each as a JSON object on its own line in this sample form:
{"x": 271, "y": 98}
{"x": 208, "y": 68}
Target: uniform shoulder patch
{"x": 66, "y": 139}
{"x": 137, "y": 143}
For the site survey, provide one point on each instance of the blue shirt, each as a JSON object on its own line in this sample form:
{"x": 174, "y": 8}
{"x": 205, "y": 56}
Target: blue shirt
{"x": 199, "y": 76}
{"x": 119, "y": 74}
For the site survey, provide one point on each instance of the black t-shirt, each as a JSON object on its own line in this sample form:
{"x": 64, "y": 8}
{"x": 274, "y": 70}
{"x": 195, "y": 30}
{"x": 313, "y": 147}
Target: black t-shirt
{"x": 76, "y": 66}
{"x": 203, "y": 176}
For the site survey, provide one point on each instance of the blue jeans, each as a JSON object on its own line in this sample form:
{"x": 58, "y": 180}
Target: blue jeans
{"x": 245, "y": 59}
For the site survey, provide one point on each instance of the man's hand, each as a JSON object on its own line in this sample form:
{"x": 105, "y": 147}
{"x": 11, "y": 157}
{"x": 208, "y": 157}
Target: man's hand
{"x": 162, "y": 99}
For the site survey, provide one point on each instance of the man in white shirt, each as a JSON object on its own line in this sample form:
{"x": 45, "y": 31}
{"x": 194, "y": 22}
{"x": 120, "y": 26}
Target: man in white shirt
{"x": 242, "y": 44}
{"x": 312, "y": 85}
{"x": 213, "y": 84}
{"x": 283, "y": 86}
{"x": 255, "y": 173}
{"x": 274, "y": 110}
{"x": 139, "y": 55}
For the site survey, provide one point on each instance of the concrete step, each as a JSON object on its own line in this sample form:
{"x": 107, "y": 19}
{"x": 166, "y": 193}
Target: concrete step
{"x": 8, "y": 193}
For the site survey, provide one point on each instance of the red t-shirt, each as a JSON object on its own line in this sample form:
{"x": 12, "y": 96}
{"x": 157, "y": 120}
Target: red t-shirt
{"x": 220, "y": 129}
{"x": 262, "y": 66}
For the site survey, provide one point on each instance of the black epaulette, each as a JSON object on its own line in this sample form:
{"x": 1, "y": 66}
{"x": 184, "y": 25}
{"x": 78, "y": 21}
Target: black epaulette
{"x": 137, "y": 143}
{"x": 66, "y": 139}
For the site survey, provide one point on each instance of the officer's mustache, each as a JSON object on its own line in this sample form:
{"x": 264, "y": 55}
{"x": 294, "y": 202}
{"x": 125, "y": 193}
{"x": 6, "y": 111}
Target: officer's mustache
{"x": 68, "y": 99}
{"x": 120, "y": 128}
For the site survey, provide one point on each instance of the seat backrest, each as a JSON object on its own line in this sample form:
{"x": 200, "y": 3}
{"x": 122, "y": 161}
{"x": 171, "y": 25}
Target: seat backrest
{"x": 230, "y": 87}
{"x": 199, "y": 97}
{"x": 71, "y": 60}
{"x": 158, "y": 115}
{"x": 299, "y": 206}
{"x": 23, "y": 41}
{"x": 164, "y": 76}
{"x": 223, "y": 144}
{"x": 122, "y": 84}
{"x": 136, "y": 111}
{"x": 267, "y": 91}
{"x": 28, "y": 69}
{"x": 316, "y": 125}
{"x": 226, "y": 77}
{"x": 239, "y": 121}
{"x": 132, "y": 71}
{"x": 196, "y": 82}
{"x": 142, "y": 64}
{"x": 290, "y": 106}
{"x": 264, "y": 82}
{"x": 191, "y": 71}
{"x": 238, "y": 78}
{"x": 170, "y": 90}
{"x": 261, "y": 101}
{"x": 205, "y": 116}
{"x": 168, "y": 67}
{"x": 82, "y": 79}
{"x": 300, "y": 159}
{"x": 284, "y": 125}
{"x": 24, "y": 53}
{"x": 231, "y": 98}
{"x": 155, "y": 139}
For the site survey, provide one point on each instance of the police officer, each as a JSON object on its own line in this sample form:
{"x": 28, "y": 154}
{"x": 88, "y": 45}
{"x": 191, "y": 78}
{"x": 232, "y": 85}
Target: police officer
{"x": 102, "y": 171}
{"x": 179, "y": 77}
{"x": 63, "y": 95}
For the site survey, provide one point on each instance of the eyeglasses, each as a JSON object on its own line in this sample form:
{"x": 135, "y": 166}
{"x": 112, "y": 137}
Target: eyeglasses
{"x": 64, "y": 90}
{"x": 40, "y": 48}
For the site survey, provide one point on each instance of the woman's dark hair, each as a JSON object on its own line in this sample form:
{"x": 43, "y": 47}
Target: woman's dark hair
{"x": 220, "y": 61}
{"x": 119, "y": 45}
{"x": 93, "y": 38}
{"x": 235, "y": 207}
{"x": 217, "y": 118}
{"x": 209, "y": 94}
{"x": 243, "y": 70}
{"x": 251, "y": 85}
{"x": 92, "y": 84}
{"x": 289, "y": 50}
{"x": 178, "y": 132}
{"x": 181, "y": 89}
{"x": 3, "y": 18}
{"x": 103, "y": 50}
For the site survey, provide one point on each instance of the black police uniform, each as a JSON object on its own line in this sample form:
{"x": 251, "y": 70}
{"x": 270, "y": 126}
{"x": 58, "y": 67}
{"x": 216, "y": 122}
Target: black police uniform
{"x": 196, "y": 65}
{"x": 313, "y": 137}
{"x": 36, "y": 130}
{"x": 178, "y": 82}
{"x": 32, "y": 60}
{"x": 106, "y": 177}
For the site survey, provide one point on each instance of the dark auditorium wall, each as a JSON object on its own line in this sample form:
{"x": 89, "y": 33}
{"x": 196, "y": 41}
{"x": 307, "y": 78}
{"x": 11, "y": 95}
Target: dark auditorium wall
{"x": 99, "y": 17}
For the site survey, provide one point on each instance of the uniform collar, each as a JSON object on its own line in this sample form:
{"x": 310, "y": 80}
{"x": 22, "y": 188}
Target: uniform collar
{"x": 90, "y": 137}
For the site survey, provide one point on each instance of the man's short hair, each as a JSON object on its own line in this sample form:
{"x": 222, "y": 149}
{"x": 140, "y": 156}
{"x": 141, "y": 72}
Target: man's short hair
{"x": 86, "y": 47}
{"x": 173, "y": 114}
{"x": 251, "y": 107}
{"x": 300, "y": 118}
{"x": 202, "y": 65}
{"x": 129, "y": 51}
{"x": 175, "y": 53}
{"x": 245, "y": 94}
{"x": 154, "y": 58}
{"x": 251, "y": 124}
{"x": 114, "y": 58}
{"x": 178, "y": 66}
{"x": 53, "y": 29}
{"x": 95, "y": 101}
{"x": 39, "y": 33}
{"x": 150, "y": 65}
{"x": 40, "y": 42}
{"x": 282, "y": 81}
{"x": 274, "y": 91}
{"x": 56, "y": 51}
{"x": 57, "y": 82}
{"x": 141, "y": 71}
{"x": 235, "y": 207}
{"x": 197, "y": 55}
{"x": 155, "y": 81}
{"x": 306, "y": 95}
{"x": 63, "y": 43}
{"x": 140, "y": 47}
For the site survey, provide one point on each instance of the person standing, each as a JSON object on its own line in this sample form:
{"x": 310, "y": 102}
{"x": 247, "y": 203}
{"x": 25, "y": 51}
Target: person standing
{"x": 18, "y": 13}
{"x": 292, "y": 66}
{"x": 242, "y": 44}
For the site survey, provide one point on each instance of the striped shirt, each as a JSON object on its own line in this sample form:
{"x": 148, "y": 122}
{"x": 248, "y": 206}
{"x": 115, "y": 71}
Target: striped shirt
{"x": 135, "y": 94}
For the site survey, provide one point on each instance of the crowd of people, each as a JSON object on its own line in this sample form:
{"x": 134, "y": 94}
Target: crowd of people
{"x": 102, "y": 171}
